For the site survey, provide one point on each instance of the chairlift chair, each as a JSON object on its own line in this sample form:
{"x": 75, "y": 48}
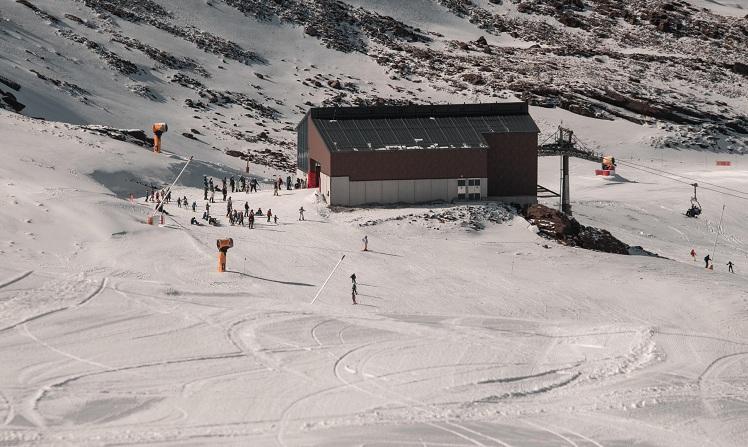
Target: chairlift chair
{"x": 695, "y": 209}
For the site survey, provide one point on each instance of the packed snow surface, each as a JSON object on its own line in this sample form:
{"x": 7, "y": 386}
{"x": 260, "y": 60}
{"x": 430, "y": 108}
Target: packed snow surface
{"x": 471, "y": 330}
{"x": 117, "y": 332}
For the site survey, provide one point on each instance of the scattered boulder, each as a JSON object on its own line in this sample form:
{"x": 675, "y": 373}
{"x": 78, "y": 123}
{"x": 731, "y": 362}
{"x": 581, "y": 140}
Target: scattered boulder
{"x": 554, "y": 224}
{"x": 740, "y": 68}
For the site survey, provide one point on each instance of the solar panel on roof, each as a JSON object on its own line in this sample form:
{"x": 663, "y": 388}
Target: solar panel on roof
{"x": 374, "y": 132}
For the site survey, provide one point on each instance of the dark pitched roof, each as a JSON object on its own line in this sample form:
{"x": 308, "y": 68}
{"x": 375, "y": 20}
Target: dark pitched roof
{"x": 418, "y": 126}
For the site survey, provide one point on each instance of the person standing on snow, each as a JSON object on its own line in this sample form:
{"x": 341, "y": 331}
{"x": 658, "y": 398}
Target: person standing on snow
{"x": 354, "y": 291}
{"x": 179, "y": 202}
{"x": 270, "y": 214}
{"x": 707, "y": 258}
{"x": 729, "y": 267}
{"x": 301, "y": 213}
{"x": 251, "y": 220}
{"x": 232, "y": 183}
{"x": 194, "y": 206}
{"x": 275, "y": 188}
{"x": 288, "y": 183}
{"x": 693, "y": 254}
{"x": 365, "y": 240}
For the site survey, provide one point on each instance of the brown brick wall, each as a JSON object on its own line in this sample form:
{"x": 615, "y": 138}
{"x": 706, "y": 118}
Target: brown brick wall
{"x": 317, "y": 148}
{"x": 408, "y": 164}
{"x": 512, "y": 164}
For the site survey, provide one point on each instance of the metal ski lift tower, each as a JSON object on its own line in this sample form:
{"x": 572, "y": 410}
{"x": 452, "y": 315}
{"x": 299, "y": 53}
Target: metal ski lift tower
{"x": 565, "y": 140}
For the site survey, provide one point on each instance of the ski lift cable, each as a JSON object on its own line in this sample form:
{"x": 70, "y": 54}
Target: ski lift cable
{"x": 689, "y": 178}
{"x": 679, "y": 178}
{"x": 648, "y": 171}
{"x": 632, "y": 164}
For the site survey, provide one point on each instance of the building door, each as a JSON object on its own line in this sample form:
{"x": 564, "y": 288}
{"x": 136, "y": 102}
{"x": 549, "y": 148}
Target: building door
{"x": 313, "y": 175}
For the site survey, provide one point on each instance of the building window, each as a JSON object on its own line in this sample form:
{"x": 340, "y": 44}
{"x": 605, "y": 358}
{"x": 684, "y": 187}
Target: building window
{"x": 461, "y": 182}
{"x": 460, "y": 196}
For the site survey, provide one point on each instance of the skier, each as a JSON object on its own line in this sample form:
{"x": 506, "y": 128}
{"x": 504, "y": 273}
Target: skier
{"x": 224, "y": 192}
{"x": 232, "y": 183}
{"x": 194, "y": 206}
{"x": 207, "y": 208}
{"x": 354, "y": 292}
{"x": 693, "y": 255}
{"x": 707, "y": 258}
{"x": 228, "y": 207}
{"x": 275, "y": 188}
{"x": 288, "y": 182}
{"x": 251, "y": 220}
{"x": 280, "y": 182}
{"x": 179, "y": 202}
{"x": 205, "y": 192}
{"x": 184, "y": 201}
{"x": 168, "y": 197}
{"x": 301, "y": 213}
{"x": 365, "y": 240}
{"x": 224, "y": 183}
{"x": 253, "y": 185}
{"x": 246, "y": 207}
{"x": 275, "y": 218}
{"x": 270, "y": 214}
{"x": 210, "y": 184}
{"x": 729, "y": 267}
{"x": 213, "y": 197}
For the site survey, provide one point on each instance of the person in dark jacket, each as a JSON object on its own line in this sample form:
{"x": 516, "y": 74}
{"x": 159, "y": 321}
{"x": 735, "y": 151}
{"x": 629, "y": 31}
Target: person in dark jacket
{"x": 354, "y": 291}
{"x": 707, "y": 258}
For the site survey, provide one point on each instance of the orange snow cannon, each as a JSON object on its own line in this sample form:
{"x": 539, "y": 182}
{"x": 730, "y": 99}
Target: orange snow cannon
{"x": 158, "y": 130}
{"x": 223, "y": 248}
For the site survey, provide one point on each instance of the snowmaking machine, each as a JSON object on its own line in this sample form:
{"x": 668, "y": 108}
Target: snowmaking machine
{"x": 158, "y": 130}
{"x": 223, "y": 247}
{"x": 608, "y": 166}
{"x": 695, "y": 208}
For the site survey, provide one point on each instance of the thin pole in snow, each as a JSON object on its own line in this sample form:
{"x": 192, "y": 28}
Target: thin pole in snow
{"x": 328, "y": 278}
{"x": 168, "y": 190}
{"x": 718, "y": 229}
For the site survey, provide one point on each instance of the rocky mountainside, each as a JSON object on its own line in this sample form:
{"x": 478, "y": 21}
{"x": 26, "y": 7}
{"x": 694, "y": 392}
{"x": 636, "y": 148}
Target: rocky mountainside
{"x": 232, "y": 77}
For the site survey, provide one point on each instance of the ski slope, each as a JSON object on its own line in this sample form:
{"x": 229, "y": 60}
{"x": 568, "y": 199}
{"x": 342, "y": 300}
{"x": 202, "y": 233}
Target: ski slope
{"x": 117, "y": 332}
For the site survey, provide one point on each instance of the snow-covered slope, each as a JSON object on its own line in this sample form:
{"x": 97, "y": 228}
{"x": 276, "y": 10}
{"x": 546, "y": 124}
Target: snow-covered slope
{"x": 471, "y": 329}
{"x": 117, "y": 332}
{"x": 242, "y": 72}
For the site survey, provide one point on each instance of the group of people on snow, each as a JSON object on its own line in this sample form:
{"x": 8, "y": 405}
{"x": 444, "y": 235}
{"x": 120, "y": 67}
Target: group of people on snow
{"x": 709, "y": 264}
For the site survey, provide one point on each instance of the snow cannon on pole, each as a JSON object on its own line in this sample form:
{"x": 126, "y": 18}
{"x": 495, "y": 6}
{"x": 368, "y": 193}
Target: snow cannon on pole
{"x": 158, "y": 130}
{"x": 223, "y": 247}
{"x": 608, "y": 166}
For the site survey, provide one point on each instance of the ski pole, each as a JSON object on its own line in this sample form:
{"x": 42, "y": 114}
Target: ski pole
{"x": 328, "y": 278}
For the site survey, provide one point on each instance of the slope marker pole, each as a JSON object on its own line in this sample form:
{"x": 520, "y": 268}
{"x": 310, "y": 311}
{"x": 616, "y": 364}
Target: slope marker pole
{"x": 328, "y": 278}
